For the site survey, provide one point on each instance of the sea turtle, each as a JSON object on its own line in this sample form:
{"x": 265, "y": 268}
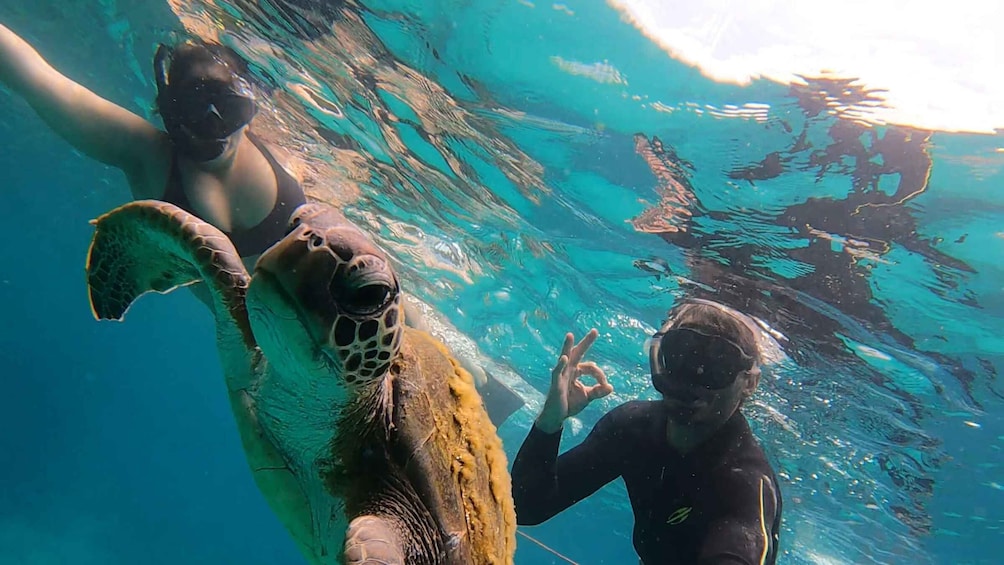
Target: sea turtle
{"x": 367, "y": 439}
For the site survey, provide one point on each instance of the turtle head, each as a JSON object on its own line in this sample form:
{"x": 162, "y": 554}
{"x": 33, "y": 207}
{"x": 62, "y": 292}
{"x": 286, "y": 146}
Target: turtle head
{"x": 325, "y": 299}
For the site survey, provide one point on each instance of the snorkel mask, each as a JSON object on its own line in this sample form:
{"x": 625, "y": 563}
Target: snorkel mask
{"x": 201, "y": 113}
{"x": 687, "y": 356}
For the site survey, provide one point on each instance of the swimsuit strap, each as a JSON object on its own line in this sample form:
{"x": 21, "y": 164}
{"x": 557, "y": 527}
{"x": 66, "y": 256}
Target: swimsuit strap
{"x": 288, "y": 196}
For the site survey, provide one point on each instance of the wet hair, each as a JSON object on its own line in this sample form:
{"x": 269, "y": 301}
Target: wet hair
{"x": 195, "y": 61}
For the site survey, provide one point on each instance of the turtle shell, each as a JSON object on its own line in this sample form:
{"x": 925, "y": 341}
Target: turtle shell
{"x": 421, "y": 439}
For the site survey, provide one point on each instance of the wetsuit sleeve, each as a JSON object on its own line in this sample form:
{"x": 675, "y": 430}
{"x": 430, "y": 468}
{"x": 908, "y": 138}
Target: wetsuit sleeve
{"x": 544, "y": 484}
{"x": 745, "y": 529}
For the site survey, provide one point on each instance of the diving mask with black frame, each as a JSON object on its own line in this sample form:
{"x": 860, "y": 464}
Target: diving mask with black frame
{"x": 688, "y": 358}
{"x": 201, "y": 114}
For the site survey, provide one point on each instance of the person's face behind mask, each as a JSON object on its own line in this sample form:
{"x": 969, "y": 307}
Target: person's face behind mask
{"x": 702, "y": 378}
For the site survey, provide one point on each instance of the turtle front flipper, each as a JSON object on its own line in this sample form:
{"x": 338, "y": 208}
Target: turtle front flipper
{"x": 153, "y": 246}
{"x": 373, "y": 540}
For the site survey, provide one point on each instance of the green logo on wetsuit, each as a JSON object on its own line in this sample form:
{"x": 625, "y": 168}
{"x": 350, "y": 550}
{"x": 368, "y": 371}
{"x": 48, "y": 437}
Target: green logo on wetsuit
{"x": 679, "y": 516}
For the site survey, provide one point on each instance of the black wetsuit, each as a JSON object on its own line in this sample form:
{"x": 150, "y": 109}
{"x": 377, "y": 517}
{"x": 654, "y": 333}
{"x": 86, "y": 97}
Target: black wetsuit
{"x": 719, "y": 504}
{"x": 254, "y": 240}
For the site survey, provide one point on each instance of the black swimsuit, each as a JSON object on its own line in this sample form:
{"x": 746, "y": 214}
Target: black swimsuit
{"x": 254, "y": 240}
{"x": 717, "y": 504}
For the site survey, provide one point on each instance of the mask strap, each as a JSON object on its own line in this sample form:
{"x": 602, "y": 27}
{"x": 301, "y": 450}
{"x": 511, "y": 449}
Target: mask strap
{"x": 654, "y": 366}
{"x": 160, "y": 60}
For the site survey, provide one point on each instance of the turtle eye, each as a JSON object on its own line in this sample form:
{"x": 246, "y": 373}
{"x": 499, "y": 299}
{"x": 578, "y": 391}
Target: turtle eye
{"x": 362, "y": 300}
{"x": 356, "y": 292}
{"x": 370, "y": 298}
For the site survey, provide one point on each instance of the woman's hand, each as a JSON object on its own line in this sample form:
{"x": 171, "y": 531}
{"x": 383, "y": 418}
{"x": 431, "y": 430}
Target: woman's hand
{"x": 568, "y": 396}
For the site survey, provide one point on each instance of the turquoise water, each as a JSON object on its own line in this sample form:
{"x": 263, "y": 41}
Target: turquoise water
{"x": 513, "y": 188}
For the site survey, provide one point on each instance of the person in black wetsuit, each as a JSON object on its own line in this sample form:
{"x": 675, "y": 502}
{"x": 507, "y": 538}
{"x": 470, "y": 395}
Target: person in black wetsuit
{"x": 701, "y": 489}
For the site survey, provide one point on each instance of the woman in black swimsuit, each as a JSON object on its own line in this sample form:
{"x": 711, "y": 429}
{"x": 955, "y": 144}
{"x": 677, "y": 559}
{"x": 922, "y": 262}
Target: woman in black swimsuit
{"x": 701, "y": 488}
{"x": 205, "y": 160}
{"x": 207, "y": 105}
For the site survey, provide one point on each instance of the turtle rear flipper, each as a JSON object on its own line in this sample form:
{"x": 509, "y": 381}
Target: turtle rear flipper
{"x": 500, "y": 400}
{"x": 373, "y": 540}
{"x": 153, "y": 246}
